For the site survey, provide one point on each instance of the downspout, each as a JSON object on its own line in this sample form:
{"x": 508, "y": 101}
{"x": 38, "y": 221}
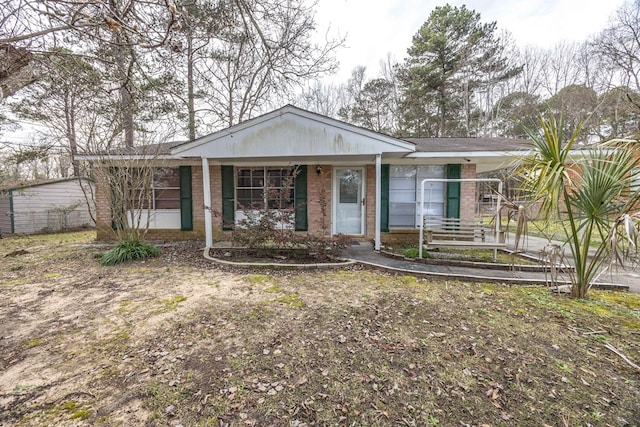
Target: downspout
{"x": 11, "y": 215}
{"x": 208, "y": 223}
{"x": 378, "y": 200}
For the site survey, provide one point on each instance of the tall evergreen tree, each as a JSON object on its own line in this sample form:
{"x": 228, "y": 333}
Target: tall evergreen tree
{"x": 452, "y": 55}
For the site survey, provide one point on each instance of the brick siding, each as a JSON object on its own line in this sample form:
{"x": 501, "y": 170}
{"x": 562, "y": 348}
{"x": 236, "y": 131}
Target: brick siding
{"x": 316, "y": 185}
{"x": 370, "y": 202}
{"x": 319, "y": 185}
{"x": 468, "y": 198}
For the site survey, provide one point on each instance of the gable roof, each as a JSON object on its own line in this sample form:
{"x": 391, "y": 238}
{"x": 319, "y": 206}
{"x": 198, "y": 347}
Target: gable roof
{"x": 292, "y": 132}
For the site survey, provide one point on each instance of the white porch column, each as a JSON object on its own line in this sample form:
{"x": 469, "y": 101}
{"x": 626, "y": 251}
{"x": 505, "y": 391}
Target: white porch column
{"x": 206, "y": 188}
{"x": 378, "y": 199}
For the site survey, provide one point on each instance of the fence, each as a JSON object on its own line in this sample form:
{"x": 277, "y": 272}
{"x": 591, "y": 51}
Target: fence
{"x": 48, "y": 221}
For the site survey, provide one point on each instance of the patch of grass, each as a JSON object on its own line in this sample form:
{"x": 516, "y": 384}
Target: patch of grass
{"x": 275, "y": 288}
{"x": 565, "y": 367}
{"x": 114, "y": 343}
{"x": 16, "y": 282}
{"x": 127, "y": 307}
{"x": 162, "y": 396}
{"x": 292, "y": 300}
{"x": 129, "y": 250}
{"x": 20, "y": 388}
{"x": 11, "y": 243}
{"x": 139, "y": 270}
{"x": 51, "y": 275}
{"x": 622, "y": 299}
{"x": 257, "y": 279}
{"x": 33, "y": 342}
{"x": 74, "y": 410}
{"x": 172, "y": 303}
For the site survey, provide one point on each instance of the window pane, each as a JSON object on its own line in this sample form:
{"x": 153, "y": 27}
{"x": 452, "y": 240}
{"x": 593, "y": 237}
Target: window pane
{"x": 430, "y": 171}
{"x": 166, "y": 178}
{"x": 349, "y": 187}
{"x": 168, "y": 199}
{"x": 402, "y": 172}
{"x": 402, "y": 184}
{"x": 244, "y": 178}
{"x": 250, "y": 198}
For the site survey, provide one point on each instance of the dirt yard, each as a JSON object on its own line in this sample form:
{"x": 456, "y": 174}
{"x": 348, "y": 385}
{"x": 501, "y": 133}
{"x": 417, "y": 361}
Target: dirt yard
{"x": 179, "y": 341}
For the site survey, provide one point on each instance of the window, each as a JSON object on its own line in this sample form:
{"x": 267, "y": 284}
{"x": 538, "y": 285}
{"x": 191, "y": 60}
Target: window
{"x": 260, "y": 187}
{"x": 404, "y": 194}
{"x": 164, "y": 192}
{"x": 166, "y": 188}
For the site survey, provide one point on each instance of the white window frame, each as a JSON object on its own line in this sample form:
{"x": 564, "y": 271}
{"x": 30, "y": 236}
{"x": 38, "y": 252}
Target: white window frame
{"x": 239, "y": 212}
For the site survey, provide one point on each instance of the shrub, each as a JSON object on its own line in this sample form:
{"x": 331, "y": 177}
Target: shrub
{"x": 129, "y": 250}
{"x": 411, "y": 253}
{"x": 325, "y": 247}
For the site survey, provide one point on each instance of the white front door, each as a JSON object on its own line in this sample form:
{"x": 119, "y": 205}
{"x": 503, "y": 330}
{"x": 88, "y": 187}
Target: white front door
{"x": 348, "y": 196}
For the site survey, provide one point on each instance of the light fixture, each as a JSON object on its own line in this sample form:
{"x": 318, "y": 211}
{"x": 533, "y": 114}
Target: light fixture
{"x": 318, "y": 169}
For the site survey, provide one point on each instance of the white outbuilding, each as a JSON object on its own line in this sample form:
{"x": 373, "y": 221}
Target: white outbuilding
{"x": 49, "y": 206}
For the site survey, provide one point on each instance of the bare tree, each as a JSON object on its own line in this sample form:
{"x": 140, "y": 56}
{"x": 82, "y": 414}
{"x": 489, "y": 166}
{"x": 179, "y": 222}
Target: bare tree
{"x": 256, "y": 53}
{"x": 322, "y": 98}
{"x": 559, "y": 67}
{"x": 620, "y": 43}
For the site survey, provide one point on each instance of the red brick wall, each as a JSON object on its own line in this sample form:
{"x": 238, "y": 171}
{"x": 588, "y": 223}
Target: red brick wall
{"x": 468, "y": 192}
{"x": 370, "y": 202}
{"x": 103, "y": 209}
{"x": 317, "y": 186}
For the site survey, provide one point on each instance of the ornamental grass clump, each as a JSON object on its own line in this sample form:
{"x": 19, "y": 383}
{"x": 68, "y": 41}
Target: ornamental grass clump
{"x": 129, "y": 250}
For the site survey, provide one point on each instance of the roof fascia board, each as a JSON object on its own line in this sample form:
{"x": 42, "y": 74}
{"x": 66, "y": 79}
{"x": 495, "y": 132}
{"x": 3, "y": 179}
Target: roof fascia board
{"x": 517, "y": 154}
{"x": 116, "y": 157}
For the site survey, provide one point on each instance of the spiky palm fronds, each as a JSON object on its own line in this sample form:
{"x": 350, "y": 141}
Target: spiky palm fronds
{"x": 589, "y": 194}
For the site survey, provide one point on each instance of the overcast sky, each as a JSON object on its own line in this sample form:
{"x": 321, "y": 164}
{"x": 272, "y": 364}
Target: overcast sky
{"x": 374, "y": 28}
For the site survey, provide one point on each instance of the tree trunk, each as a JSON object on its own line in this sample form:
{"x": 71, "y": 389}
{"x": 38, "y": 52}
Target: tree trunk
{"x": 126, "y": 101}
{"x": 190, "y": 96}
{"x": 69, "y": 113}
{"x": 123, "y": 51}
{"x": 443, "y": 114}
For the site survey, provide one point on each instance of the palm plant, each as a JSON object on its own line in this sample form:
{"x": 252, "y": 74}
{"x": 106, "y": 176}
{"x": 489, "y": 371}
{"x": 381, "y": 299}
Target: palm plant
{"x": 588, "y": 194}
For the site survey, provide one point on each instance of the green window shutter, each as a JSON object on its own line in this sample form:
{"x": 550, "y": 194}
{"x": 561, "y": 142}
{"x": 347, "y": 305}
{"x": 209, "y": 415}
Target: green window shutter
{"x": 453, "y": 191}
{"x": 384, "y": 199}
{"x": 186, "y": 205}
{"x": 300, "y": 199}
{"x": 228, "y": 199}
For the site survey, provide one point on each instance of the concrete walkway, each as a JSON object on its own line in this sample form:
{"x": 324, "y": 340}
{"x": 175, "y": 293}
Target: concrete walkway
{"x": 364, "y": 254}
